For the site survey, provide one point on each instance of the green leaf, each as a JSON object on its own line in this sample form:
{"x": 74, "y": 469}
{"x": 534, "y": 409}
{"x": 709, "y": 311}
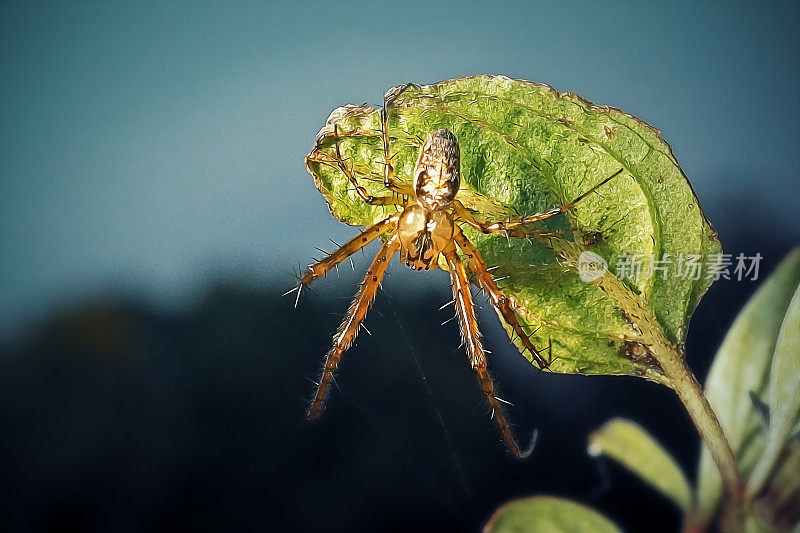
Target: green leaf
{"x": 635, "y": 449}
{"x": 742, "y": 366}
{"x": 548, "y": 514}
{"x": 784, "y": 395}
{"x": 526, "y": 148}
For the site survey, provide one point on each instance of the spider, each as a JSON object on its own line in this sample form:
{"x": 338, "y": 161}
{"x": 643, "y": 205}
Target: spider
{"x": 425, "y": 227}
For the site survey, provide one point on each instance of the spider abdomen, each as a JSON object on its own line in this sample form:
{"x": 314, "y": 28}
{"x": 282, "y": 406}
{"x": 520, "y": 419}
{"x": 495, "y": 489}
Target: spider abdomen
{"x": 437, "y": 175}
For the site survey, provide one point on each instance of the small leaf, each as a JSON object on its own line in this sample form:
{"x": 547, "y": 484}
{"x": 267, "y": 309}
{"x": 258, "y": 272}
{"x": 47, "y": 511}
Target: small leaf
{"x": 548, "y": 514}
{"x": 635, "y": 449}
{"x": 784, "y": 395}
{"x": 527, "y": 148}
{"x": 742, "y": 366}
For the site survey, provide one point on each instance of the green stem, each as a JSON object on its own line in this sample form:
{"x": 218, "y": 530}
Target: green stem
{"x": 673, "y": 365}
{"x": 705, "y": 420}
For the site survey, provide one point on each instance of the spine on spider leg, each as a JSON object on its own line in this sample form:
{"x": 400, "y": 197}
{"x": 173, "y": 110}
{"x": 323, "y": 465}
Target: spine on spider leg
{"x": 466, "y": 312}
{"x": 349, "y": 328}
{"x": 472, "y": 340}
{"x": 341, "y": 342}
{"x": 496, "y": 296}
{"x": 350, "y": 247}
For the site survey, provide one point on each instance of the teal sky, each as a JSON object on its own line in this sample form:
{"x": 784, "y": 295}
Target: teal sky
{"x": 148, "y": 146}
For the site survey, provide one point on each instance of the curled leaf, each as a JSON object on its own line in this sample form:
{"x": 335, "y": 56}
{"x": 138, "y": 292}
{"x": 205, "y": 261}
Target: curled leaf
{"x": 526, "y": 148}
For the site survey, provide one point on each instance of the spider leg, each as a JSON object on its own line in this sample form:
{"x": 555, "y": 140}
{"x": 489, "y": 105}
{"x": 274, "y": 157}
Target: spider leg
{"x": 350, "y": 247}
{"x": 499, "y": 300}
{"x": 362, "y": 192}
{"x": 472, "y": 339}
{"x": 349, "y": 328}
{"x": 503, "y": 227}
{"x": 388, "y": 169}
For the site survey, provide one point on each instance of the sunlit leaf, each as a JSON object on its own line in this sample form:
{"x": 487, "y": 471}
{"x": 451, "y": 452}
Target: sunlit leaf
{"x": 547, "y": 514}
{"x": 526, "y": 148}
{"x": 634, "y": 448}
{"x": 741, "y": 367}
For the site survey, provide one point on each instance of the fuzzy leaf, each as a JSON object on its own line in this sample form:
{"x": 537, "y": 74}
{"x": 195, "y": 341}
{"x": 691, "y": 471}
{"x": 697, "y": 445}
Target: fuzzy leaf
{"x": 635, "y": 449}
{"x": 741, "y": 367}
{"x": 526, "y": 148}
{"x": 547, "y": 514}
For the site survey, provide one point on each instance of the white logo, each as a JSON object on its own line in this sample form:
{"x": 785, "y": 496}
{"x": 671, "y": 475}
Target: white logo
{"x": 591, "y": 266}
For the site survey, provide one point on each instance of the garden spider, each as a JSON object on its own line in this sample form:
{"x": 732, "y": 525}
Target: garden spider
{"x": 423, "y": 229}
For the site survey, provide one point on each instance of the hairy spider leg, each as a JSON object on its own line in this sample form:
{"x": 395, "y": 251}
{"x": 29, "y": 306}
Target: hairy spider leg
{"x": 362, "y": 192}
{"x": 499, "y": 300}
{"x": 388, "y": 169}
{"x": 349, "y": 328}
{"x": 349, "y": 248}
{"x": 484, "y": 226}
{"x": 472, "y": 340}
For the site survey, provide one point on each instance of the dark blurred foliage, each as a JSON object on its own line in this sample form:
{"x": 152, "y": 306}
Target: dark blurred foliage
{"x": 117, "y": 417}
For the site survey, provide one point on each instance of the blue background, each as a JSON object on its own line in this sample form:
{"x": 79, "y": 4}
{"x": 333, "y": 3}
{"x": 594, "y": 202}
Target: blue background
{"x": 154, "y": 202}
{"x": 145, "y": 146}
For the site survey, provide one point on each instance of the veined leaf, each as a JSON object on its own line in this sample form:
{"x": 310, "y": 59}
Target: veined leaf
{"x": 741, "y": 367}
{"x": 634, "y": 448}
{"x": 548, "y": 514}
{"x": 527, "y": 148}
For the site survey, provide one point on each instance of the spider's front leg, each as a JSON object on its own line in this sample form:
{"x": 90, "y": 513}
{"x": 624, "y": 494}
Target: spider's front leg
{"x": 322, "y": 266}
{"x": 499, "y": 300}
{"x": 349, "y": 328}
{"x": 349, "y": 248}
{"x": 388, "y": 169}
{"x": 507, "y": 227}
{"x": 362, "y": 192}
{"x": 472, "y": 340}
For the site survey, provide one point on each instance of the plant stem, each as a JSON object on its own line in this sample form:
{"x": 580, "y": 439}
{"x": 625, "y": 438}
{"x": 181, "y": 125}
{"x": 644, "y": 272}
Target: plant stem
{"x": 673, "y": 365}
{"x": 705, "y": 420}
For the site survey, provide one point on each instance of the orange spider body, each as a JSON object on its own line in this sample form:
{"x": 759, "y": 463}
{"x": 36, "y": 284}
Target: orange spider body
{"x": 422, "y": 231}
{"x": 426, "y": 228}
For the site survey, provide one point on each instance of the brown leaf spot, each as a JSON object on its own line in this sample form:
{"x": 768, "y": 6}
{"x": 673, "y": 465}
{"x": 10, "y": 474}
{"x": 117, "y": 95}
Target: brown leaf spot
{"x": 639, "y": 353}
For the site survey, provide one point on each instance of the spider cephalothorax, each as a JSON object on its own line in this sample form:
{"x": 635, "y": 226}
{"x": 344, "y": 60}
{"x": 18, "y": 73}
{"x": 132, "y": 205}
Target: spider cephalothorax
{"x": 424, "y": 230}
{"x": 423, "y": 235}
